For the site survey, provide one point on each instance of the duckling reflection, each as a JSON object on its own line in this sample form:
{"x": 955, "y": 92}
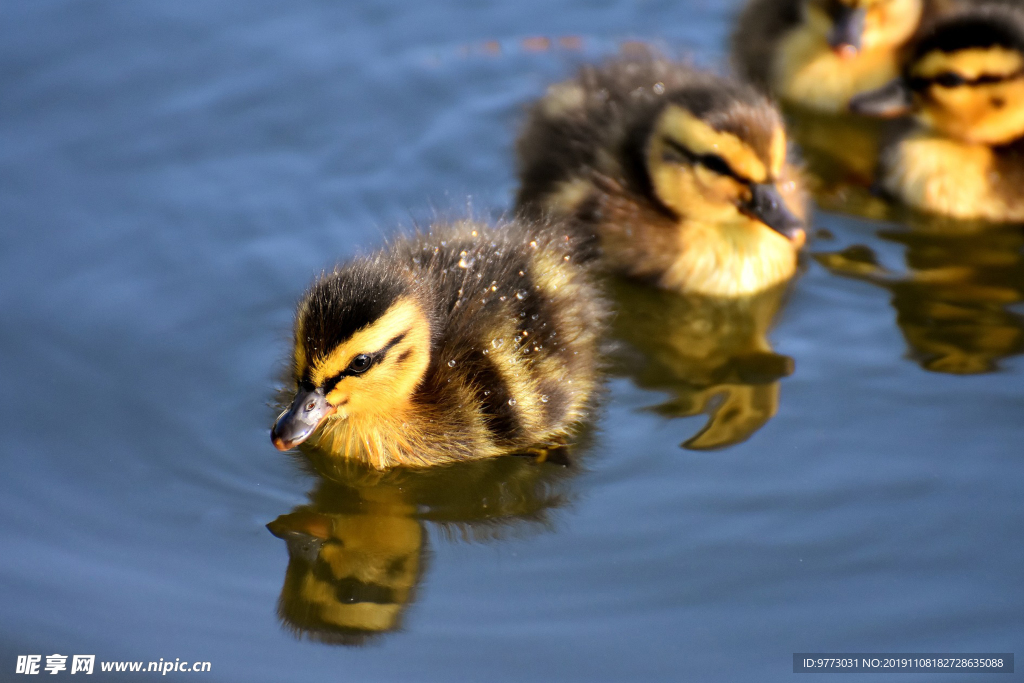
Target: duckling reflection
{"x": 359, "y": 549}
{"x": 712, "y": 354}
{"x": 952, "y": 302}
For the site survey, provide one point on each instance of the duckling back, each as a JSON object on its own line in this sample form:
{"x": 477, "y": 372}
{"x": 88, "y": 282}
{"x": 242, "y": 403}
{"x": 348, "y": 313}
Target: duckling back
{"x": 523, "y": 318}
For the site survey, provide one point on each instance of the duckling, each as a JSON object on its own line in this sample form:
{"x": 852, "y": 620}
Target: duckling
{"x": 680, "y": 176}
{"x": 964, "y": 85}
{"x": 820, "y": 53}
{"x": 461, "y": 343}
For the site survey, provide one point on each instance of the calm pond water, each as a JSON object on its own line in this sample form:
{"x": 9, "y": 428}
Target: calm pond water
{"x": 171, "y": 177}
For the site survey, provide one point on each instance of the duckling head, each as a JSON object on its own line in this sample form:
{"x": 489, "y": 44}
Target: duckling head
{"x": 716, "y": 154}
{"x": 853, "y": 26}
{"x": 362, "y": 346}
{"x": 965, "y": 78}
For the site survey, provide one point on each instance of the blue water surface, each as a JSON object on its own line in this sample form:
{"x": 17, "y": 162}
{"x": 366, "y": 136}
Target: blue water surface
{"x": 172, "y": 175}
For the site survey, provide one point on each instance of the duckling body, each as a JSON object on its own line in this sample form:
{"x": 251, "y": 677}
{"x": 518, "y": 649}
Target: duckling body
{"x": 463, "y": 343}
{"x": 964, "y": 85}
{"x": 680, "y": 175}
{"x": 941, "y": 175}
{"x": 820, "y": 53}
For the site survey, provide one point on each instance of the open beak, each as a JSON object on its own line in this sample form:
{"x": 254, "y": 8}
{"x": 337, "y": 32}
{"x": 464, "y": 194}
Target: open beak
{"x": 298, "y": 423}
{"x": 891, "y": 100}
{"x": 767, "y": 206}
{"x": 847, "y": 30}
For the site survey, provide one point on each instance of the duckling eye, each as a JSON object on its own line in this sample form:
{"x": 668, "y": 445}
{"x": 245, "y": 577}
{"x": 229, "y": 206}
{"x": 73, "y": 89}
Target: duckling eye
{"x": 360, "y": 364}
{"x": 717, "y": 164}
{"x": 949, "y": 79}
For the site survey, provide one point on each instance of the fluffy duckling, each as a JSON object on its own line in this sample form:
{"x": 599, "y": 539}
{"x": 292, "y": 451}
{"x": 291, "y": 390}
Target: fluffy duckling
{"x": 462, "y": 343}
{"x": 820, "y": 53}
{"x": 681, "y": 176}
{"x": 964, "y": 84}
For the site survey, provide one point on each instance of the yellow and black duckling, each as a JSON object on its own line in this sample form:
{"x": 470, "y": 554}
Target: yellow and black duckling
{"x": 462, "y": 343}
{"x": 964, "y": 84}
{"x": 820, "y": 53}
{"x": 681, "y": 176}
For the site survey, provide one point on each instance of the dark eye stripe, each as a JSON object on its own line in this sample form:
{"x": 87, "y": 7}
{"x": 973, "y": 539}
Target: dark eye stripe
{"x": 951, "y": 79}
{"x": 712, "y": 162}
{"x": 375, "y": 358}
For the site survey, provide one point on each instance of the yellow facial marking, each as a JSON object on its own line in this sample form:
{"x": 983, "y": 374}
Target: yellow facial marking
{"x": 972, "y": 63}
{"x": 986, "y": 112}
{"x": 777, "y": 152}
{"x": 389, "y": 382}
{"x": 404, "y": 315}
{"x": 687, "y": 130}
{"x": 301, "y": 362}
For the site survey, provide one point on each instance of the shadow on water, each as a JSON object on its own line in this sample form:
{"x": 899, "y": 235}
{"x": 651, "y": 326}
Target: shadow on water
{"x": 712, "y": 355}
{"x": 358, "y": 550}
{"x": 953, "y": 298}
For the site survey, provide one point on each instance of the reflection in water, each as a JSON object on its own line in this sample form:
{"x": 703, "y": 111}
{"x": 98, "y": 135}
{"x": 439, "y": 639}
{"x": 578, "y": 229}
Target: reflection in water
{"x": 358, "y": 550}
{"x": 951, "y": 303}
{"x": 711, "y": 354}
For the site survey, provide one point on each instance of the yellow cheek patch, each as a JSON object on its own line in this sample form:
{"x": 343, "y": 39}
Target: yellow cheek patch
{"x": 404, "y": 317}
{"x": 699, "y": 138}
{"x": 972, "y": 63}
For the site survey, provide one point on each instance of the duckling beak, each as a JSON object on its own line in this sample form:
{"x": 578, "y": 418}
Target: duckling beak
{"x": 296, "y": 424}
{"x": 767, "y": 206}
{"x": 304, "y": 533}
{"x": 891, "y": 100}
{"x": 847, "y": 31}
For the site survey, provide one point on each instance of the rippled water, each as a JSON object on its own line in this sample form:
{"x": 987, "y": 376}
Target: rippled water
{"x": 171, "y": 177}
